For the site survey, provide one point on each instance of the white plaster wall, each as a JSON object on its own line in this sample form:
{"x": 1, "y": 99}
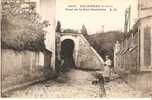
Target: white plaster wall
{"x": 21, "y": 67}
{"x": 47, "y": 12}
{"x": 41, "y": 59}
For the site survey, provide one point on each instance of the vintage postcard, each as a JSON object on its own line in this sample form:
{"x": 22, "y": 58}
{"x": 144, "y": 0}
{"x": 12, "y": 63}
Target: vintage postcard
{"x": 76, "y": 48}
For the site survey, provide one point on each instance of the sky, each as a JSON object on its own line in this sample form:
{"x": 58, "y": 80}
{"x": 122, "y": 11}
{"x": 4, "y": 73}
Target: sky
{"x": 95, "y": 21}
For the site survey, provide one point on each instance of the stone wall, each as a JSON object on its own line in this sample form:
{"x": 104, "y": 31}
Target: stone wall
{"x": 24, "y": 67}
{"x": 47, "y": 12}
{"x": 140, "y": 81}
{"x": 87, "y": 57}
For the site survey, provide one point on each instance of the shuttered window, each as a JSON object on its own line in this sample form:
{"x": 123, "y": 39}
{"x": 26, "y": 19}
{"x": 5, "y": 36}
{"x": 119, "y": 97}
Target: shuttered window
{"x": 147, "y": 46}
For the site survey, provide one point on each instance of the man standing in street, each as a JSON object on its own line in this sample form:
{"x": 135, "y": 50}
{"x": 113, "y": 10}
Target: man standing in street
{"x": 107, "y": 69}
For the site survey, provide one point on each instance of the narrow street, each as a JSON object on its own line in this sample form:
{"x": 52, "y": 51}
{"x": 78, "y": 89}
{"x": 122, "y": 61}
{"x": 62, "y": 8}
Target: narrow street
{"x": 75, "y": 84}
{"x": 118, "y": 88}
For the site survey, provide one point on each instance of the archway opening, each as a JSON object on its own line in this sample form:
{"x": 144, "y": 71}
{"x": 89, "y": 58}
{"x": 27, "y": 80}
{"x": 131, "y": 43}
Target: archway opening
{"x": 67, "y": 50}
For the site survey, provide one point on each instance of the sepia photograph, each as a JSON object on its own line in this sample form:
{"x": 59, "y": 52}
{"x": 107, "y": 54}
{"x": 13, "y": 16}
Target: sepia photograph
{"x": 76, "y": 48}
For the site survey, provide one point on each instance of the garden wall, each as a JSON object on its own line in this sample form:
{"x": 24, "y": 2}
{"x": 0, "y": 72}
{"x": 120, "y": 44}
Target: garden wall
{"x": 24, "y": 67}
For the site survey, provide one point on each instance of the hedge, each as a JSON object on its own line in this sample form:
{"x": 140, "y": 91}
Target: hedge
{"x": 22, "y": 29}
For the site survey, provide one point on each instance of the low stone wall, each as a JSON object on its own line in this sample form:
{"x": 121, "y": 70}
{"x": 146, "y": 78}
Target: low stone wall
{"x": 88, "y": 58}
{"x": 140, "y": 81}
{"x": 19, "y": 68}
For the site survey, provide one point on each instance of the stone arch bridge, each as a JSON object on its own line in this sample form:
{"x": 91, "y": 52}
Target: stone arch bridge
{"x": 76, "y": 46}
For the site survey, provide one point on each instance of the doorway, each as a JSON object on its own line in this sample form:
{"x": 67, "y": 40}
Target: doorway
{"x": 67, "y": 50}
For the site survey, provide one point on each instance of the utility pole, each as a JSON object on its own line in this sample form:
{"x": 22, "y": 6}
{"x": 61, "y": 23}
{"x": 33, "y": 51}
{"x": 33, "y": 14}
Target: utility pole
{"x": 127, "y": 23}
{"x": 139, "y": 4}
{"x": 129, "y": 19}
{"x": 103, "y": 28}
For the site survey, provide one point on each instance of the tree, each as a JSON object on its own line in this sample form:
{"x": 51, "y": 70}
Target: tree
{"x": 22, "y": 28}
{"x": 104, "y": 42}
{"x": 70, "y": 31}
{"x": 84, "y": 31}
{"x": 58, "y": 27}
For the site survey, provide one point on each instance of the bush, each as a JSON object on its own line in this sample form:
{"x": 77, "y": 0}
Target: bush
{"x": 22, "y": 29}
{"x": 70, "y": 31}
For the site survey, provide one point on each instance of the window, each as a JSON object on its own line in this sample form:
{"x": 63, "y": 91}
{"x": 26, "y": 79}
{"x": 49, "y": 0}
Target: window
{"x": 147, "y": 46}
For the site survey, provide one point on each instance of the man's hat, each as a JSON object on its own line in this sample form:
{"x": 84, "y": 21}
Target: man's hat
{"x": 107, "y": 56}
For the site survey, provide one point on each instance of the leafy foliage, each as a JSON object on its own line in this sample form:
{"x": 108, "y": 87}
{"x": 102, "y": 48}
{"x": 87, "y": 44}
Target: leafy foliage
{"x": 58, "y": 27}
{"x": 104, "y": 42}
{"x": 22, "y": 28}
{"x": 84, "y": 31}
{"x": 70, "y": 31}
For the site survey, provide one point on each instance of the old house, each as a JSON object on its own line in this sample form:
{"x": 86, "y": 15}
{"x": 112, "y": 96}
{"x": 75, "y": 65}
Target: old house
{"x": 145, "y": 29}
{"x": 133, "y": 55}
{"x": 26, "y": 66}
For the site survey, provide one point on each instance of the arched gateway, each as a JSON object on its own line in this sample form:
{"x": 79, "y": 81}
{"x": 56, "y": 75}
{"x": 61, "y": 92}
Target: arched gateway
{"x": 75, "y": 50}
